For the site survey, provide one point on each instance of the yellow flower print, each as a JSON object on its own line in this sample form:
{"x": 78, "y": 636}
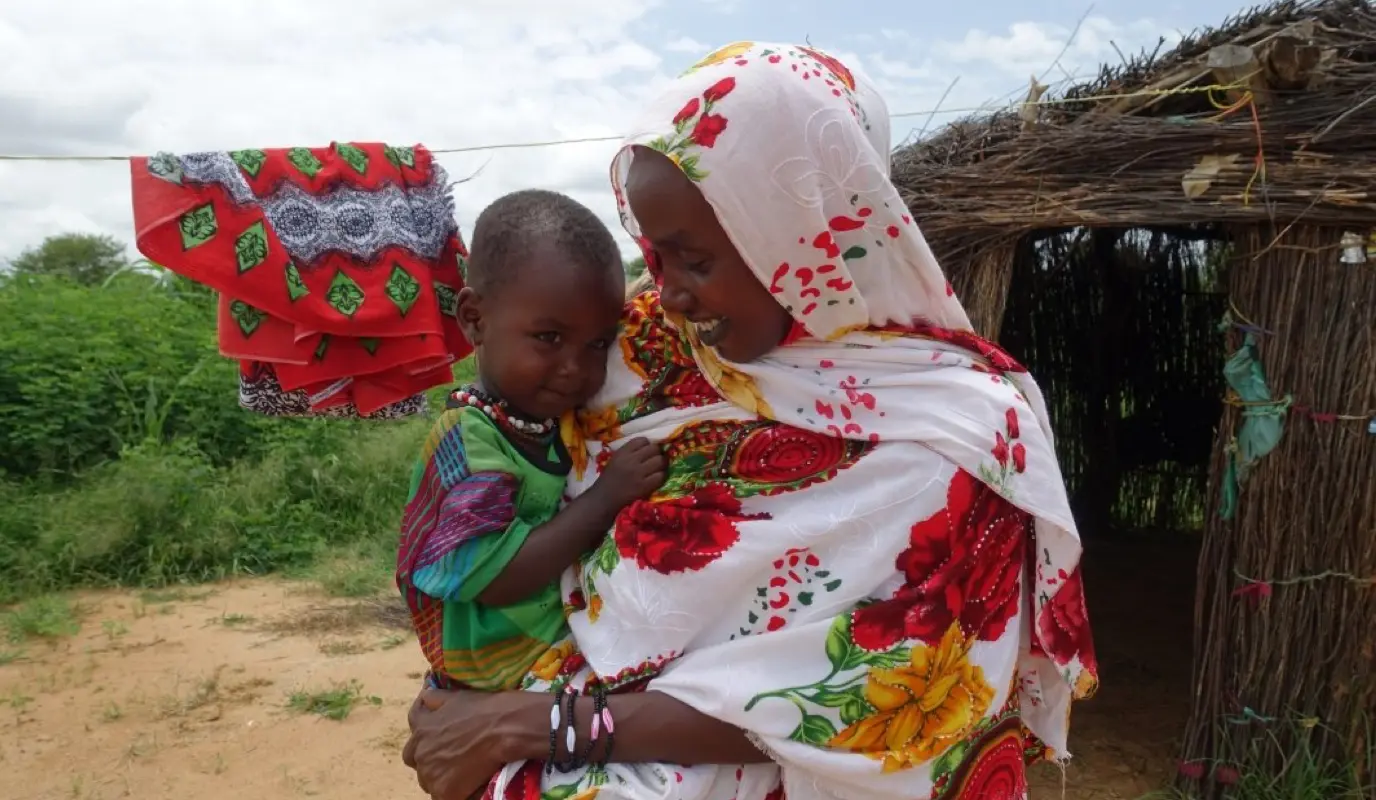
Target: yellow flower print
{"x": 733, "y": 384}
{"x": 576, "y": 428}
{"x": 1085, "y": 685}
{"x": 922, "y": 708}
{"x": 730, "y": 51}
{"x": 547, "y": 665}
{"x": 575, "y": 442}
{"x": 604, "y": 425}
{"x": 589, "y": 793}
{"x": 594, "y": 607}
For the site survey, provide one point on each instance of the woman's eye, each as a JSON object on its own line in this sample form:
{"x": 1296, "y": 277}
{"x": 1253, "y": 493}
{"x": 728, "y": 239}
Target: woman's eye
{"x": 548, "y": 337}
{"x": 698, "y": 267}
{"x": 601, "y": 344}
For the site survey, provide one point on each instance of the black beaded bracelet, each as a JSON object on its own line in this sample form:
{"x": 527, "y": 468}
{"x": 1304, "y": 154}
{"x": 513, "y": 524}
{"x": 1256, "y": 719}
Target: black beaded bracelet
{"x": 599, "y": 702}
{"x": 554, "y": 719}
{"x": 604, "y": 721}
{"x": 570, "y": 735}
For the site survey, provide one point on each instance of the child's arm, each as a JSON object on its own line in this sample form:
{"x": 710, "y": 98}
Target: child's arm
{"x": 634, "y": 471}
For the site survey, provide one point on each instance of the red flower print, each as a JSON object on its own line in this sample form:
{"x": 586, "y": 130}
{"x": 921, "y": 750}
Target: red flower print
{"x": 718, "y": 90}
{"x": 777, "y": 793}
{"x": 688, "y": 111}
{"x": 776, "y": 454}
{"x": 996, "y": 767}
{"x": 577, "y": 601}
{"x": 651, "y": 256}
{"x": 524, "y": 785}
{"x": 1000, "y": 449}
{"x": 573, "y": 664}
{"x": 709, "y": 127}
{"x": 837, "y": 69}
{"x": 684, "y": 534}
{"x": 1011, "y": 415}
{"x": 968, "y": 340}
{"x": 1019, "y": 458}
{"x": 1062, "y": 629}
{"x": 963, "y": 564}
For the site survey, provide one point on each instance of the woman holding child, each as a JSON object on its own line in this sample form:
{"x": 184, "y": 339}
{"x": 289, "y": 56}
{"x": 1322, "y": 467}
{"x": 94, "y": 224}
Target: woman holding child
{"x": 859, "y": 577}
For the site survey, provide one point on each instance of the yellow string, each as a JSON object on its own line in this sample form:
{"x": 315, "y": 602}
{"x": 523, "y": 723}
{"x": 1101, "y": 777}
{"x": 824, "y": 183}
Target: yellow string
{"x": 1056, "y": 101}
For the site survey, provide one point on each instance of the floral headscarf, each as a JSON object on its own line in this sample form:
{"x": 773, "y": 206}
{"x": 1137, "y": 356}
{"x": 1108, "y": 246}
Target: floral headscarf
{"x": 790, "y": 147}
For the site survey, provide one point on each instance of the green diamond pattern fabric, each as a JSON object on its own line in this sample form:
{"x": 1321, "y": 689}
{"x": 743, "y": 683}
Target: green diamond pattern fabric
{"x": 250, "y": 161}
{"x": 251, "y": 247}
{"x": 305, "y": 161}
{"x": 402, "y": 289}
{"x": 296, "y": 287}
{"x": 246, "y": 317}
{"x": 167, "y": 167}
{"x": 448, "y": 299}
{"x": 344, "y": 295}
{"x": 401, "y": 156}
{"x": 354, "y": 157}
{"x": 198, "y": 226}
{"x": 306, "y": 244}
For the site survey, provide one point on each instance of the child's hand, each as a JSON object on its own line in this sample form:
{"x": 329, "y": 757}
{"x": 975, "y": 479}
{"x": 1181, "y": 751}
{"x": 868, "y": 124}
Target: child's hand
{"x": 634, "y": 472}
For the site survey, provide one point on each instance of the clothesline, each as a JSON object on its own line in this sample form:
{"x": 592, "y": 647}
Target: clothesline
{"x": 616, "y": 138}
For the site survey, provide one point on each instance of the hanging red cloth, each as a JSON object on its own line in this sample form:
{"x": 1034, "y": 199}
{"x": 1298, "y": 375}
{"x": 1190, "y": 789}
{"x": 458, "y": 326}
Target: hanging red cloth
{"x": 337, "y": 269}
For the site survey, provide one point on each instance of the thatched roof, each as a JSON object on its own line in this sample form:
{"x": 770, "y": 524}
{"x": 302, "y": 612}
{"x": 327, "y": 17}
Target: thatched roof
{"x": 1288, "y": 132}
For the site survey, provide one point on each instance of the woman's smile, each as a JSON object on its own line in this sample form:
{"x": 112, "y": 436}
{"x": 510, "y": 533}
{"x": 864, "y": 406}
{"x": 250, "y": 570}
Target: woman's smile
{"x": 712, "y": 331}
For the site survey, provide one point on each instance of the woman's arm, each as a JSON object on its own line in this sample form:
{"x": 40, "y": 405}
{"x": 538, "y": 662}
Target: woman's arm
{"x": 650, "y": 727}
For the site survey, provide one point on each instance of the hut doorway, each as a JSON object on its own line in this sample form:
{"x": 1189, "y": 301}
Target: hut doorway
{"x": 1121, "y": 328}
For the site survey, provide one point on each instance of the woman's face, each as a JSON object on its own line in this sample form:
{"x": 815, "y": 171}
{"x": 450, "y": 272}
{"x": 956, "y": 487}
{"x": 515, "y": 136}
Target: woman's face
{"x": 704, "y": 277}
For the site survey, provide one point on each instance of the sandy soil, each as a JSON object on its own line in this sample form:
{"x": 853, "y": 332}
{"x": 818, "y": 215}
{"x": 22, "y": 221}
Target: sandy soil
{"x": 187, "y": 695}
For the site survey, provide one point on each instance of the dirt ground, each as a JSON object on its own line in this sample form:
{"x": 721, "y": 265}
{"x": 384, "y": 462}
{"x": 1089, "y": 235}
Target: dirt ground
{"x": 190, "y": 694}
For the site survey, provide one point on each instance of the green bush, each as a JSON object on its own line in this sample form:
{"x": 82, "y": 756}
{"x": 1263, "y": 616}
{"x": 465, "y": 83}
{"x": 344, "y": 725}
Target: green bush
{"x": 165, "y": 514}
{"x": 126, "y": 460}
{"x": 88, "y": 371}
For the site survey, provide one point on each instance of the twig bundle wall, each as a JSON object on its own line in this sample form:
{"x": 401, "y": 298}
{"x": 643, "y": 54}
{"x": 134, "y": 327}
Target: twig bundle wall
{"x": 1286, "y": 614}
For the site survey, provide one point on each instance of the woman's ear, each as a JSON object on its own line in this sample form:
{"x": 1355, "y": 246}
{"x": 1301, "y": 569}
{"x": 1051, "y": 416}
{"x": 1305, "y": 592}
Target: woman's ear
{"x": 470, "y": 314}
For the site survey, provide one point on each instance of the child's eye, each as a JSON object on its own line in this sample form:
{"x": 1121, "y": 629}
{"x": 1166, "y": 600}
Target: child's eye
{"x": 601, "y": 344}
{"x": 548, "y": 337}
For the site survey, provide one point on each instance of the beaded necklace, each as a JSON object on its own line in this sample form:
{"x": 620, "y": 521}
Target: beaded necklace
{"x": 498, "y": 411}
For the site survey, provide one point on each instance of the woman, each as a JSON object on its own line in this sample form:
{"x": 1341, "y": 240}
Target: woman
{"x": 861, "y": 576}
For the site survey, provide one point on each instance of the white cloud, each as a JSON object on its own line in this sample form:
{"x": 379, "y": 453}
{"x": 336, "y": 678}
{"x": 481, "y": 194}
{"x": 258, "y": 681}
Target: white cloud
{"x": 688, "y": 45}
{"x": 86, "y": 77}
{"x": 93, "y": 77}
{"x": 1032, "y": 47}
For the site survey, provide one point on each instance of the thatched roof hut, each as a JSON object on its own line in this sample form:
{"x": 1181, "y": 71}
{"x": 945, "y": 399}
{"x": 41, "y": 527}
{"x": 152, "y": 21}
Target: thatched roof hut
{"x": 1129, "y": 236}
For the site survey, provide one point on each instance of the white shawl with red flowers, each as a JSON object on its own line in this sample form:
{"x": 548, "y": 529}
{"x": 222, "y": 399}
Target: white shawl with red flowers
{"x": 863, "y": 554}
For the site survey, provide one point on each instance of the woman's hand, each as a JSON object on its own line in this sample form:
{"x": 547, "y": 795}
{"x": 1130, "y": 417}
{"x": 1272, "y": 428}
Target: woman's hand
{"x": 453, "y": 747}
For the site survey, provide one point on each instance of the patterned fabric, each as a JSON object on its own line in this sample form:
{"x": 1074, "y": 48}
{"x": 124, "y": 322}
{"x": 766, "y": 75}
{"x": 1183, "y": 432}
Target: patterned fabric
{"x": 863, "y": 556}
{"x": 338, "y": 269}
{"x": 474, "y": 499}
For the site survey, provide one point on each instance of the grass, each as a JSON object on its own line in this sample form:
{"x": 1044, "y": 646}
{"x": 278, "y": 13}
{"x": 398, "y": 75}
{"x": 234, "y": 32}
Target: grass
{"x": 1289, "y": 767}
{"x": 322, "y": 502}
{"x": 45, "y": 617}
{"x": 335, "y": 704}
{"x": 163, "y": 517}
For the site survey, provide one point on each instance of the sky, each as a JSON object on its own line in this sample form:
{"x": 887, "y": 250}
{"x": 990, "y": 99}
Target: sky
{"x": 94, "y": 77}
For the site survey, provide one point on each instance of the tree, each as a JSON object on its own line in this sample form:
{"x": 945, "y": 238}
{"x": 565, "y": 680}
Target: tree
{"x": 635, "y": 268}
{"x": 83, "y": 258}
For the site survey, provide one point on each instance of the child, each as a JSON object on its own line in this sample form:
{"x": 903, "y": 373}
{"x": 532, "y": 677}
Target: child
{"x": 483, "y": 540}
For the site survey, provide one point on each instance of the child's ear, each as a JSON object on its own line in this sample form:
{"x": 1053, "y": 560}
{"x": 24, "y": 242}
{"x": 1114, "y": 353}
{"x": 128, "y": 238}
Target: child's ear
{"x": 470, "y": 314}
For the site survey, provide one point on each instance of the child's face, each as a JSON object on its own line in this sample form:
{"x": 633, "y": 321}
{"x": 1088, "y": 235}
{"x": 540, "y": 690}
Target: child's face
{"x": 542, "y": 339}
